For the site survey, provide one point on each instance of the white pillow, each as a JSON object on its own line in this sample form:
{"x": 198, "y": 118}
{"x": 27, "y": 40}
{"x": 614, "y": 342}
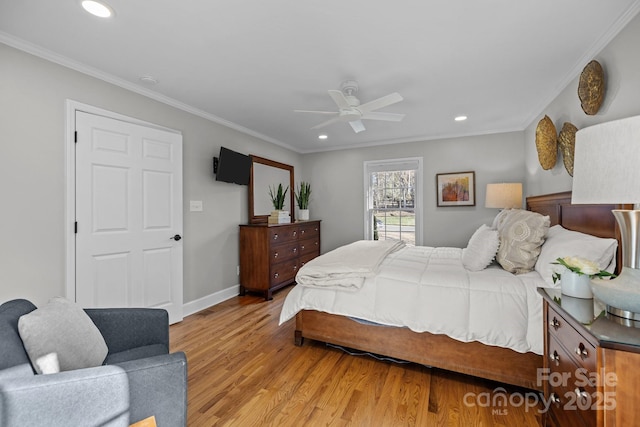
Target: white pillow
{"x": 562, "y": 242}
{"x": 61, "y": 330}
{"x": 481, "y": 249}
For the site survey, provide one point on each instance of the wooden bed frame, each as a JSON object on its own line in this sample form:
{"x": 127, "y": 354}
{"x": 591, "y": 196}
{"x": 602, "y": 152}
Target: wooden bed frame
{"x": 440, "y": 351}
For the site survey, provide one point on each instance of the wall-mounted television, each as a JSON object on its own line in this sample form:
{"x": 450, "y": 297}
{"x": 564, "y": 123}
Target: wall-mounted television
{"x": 232, "y": 166}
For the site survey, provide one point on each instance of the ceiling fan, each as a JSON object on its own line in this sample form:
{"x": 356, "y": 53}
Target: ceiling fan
{"x": 350, "y": 110}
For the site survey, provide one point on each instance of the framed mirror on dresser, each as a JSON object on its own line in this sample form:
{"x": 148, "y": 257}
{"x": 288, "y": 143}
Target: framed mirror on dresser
{"x": 272, "y": 254}
{"x": 265, "y": 174}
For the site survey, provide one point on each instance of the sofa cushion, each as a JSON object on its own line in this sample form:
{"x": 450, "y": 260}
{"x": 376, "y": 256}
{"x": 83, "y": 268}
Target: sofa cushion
{"x": 12, "y": 352}
{"x": 63, "y": 328}
{"x": 136, "y": 353}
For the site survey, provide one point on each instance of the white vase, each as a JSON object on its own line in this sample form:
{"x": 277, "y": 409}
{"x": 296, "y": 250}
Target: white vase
{"x": 303, "y": 214}
{"x": 580, "y": 309}
{"x": 576, "y": 285}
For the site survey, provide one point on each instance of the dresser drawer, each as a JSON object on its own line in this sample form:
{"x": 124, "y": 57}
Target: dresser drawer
{"x": 283, "y": 234}
{"x": 284, "y": 251}
{"x": 309, "y": 247}
{"x": 308, "y": 231}
{"x": 581, "y": 350}
{"x": 305, "y": 259}
{"x": 284, "y": 272}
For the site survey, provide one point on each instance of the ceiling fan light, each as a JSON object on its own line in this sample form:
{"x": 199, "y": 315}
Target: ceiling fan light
{"x": 98, "y": 9}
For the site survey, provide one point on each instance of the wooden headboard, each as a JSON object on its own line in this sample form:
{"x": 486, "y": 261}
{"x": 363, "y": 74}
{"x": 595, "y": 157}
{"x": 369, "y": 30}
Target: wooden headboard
{"x": 596, "y": 220}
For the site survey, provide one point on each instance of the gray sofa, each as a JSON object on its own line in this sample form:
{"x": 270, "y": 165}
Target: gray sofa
{"x": 139, "y": 378}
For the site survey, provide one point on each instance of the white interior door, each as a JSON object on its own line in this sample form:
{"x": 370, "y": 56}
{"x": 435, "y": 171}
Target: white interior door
{"x": 129, "y": 215}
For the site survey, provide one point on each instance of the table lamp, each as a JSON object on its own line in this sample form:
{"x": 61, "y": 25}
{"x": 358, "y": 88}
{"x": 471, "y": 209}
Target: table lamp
{"x": 606, "y": 170}
{"x": 504, "y": 195}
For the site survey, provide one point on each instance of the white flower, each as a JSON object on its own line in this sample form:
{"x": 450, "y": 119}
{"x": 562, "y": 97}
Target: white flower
{"x": 579, "y": 266}
{"x": 583, "y": 266}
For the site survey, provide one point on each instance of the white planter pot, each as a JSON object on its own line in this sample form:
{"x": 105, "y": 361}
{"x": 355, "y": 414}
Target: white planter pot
{"x": 303, "y": 214}
{"x": 576, "y": 285}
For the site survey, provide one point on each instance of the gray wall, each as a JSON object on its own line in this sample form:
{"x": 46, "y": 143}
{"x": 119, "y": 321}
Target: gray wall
{"x": 32, "y": 171}
{"x": 32, "y": 178}
{"x": 337, "y": 184}
{"x": 621, "y": 63}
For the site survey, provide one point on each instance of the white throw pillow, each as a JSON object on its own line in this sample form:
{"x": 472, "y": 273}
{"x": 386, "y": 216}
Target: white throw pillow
{"x": 481, "y": 249}
{"x": 62, "y": 330}
{"x": 562, "y": 242}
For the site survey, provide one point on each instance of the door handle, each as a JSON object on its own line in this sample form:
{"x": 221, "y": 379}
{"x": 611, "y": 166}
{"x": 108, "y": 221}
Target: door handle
{"x": 176, "y": 237}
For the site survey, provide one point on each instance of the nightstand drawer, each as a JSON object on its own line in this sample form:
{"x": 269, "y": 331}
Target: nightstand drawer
{"x": 571, "y": 385}
{"x": 581, "y": 350}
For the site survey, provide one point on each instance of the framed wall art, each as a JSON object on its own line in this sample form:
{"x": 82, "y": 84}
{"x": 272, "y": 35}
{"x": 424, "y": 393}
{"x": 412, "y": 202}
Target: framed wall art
{"x": 456, "y": 189}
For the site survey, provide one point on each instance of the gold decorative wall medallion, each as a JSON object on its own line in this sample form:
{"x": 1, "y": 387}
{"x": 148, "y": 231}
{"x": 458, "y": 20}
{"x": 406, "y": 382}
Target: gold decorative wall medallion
{"x": 547, "y": 143}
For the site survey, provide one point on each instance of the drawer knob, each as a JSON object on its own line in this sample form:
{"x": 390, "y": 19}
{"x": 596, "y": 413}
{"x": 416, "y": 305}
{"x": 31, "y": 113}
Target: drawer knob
{"x": 554, "y": 398}
{"x": 581, "y": 394}
{"x": 555, "y": 357}
{"x": 275, "y": 236}
{"x": 275, "y": 255}
{"x": 554, "y": 323}
{"x": 581, "y": 351}
{"x": 295, "y": 267}
{"x": 295, "y": 233}
{"x": 276, "y": 275}
{"x": 295, "y": 250}
{"x": 301, "y": 231}
{"x": 302, "y": 247}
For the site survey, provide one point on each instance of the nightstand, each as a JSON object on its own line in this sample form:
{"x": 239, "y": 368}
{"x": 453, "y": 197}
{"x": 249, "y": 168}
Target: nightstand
{"x": 591, "y": 370}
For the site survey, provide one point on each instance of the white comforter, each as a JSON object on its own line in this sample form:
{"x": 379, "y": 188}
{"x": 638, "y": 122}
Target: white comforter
{"x": 347, "y": 266}
{"x": 428, "y": 289}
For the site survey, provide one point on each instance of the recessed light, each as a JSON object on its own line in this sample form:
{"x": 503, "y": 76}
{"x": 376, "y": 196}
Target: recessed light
{"x": 150, "y": 80}
{"x": 460, "y": 118}
{"x": 98, "y": 9}
{"x": 322, "y": 136}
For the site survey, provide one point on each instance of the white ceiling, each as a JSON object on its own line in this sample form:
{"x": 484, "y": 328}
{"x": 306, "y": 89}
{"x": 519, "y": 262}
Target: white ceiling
{"x": 249, "y": 64}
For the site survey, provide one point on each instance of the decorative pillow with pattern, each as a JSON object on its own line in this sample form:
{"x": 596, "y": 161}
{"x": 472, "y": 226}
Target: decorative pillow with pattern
{"x": 522, "y": 233}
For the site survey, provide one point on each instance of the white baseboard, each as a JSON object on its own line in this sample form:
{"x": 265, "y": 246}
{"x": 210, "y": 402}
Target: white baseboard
{"x": 210, "y": 300}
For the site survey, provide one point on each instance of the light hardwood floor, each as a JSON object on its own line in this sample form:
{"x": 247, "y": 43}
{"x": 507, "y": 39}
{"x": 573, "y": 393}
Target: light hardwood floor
{"x": 244, "y": 370}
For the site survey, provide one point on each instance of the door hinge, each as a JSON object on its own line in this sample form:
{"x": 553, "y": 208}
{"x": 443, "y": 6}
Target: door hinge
{"x": 75, "y": 136}
{"x": 76, "y": 228}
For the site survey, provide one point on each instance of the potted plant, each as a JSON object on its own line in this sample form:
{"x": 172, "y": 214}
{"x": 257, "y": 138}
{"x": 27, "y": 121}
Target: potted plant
{"x": 302, "y": 199}
{"x": 277, "y": 196}
{"x": 576, "y": 278}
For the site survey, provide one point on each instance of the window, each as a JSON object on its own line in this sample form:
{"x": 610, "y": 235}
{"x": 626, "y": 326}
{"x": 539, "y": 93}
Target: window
{"x": 393, "y": 202}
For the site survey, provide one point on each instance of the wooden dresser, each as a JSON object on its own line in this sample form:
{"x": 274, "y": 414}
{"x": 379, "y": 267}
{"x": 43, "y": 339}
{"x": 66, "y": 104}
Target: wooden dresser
{"x": 271, "y": 255}
{"x": 591, "y": 371}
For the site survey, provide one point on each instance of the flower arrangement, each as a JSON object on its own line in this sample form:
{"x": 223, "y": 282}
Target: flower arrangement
{"x": 580, "y": 266}
{"x": 302, "y": 195}
{"x": 277, "y": 196}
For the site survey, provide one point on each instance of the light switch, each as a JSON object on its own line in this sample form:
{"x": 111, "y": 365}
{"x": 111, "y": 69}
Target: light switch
{"x": 195, "y": 205}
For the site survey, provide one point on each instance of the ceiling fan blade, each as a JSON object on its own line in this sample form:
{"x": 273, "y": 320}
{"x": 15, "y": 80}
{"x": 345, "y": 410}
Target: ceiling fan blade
{"x": 357, "y": 126}
{"x": 315, "y": 112}
{"x": 339, "y": 99}
{"x": 376, "y": 104}
{"x": 389, "y": 117}
{"x": 328, "y": 122}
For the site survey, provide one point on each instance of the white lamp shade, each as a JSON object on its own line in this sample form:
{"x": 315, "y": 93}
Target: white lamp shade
{"x": 505, "y": 195}
{"x": 606, "y": 166}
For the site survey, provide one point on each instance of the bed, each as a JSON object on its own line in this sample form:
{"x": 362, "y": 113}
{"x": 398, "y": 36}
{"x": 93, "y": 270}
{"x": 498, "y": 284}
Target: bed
{"x": 495, "y": 362}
